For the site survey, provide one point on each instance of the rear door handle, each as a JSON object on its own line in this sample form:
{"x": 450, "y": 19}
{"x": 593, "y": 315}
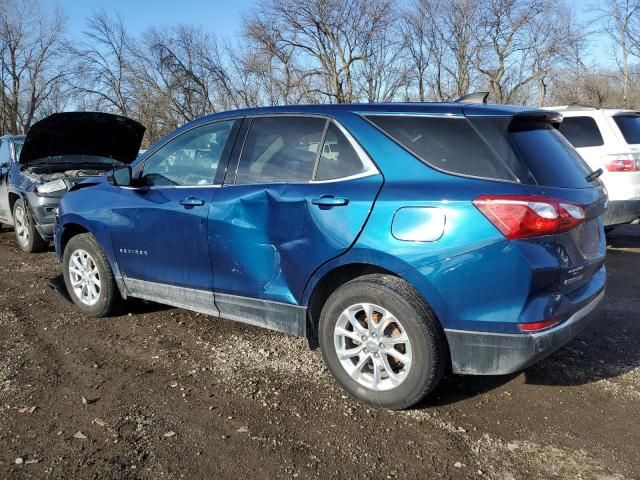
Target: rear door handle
{"x": 191, "y": 202}
{"x": 330, "y": 201}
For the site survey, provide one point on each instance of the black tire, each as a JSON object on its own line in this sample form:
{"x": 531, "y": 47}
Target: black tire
{"x": 28, "y": 237}
{"x": 428, "y": 342}
{"x": 109, "y": 299}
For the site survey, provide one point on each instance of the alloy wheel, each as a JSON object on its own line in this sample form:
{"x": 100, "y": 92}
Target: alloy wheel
{"x": 373, "y": 346}
{"x": 85, "y": 277}
{"x": 22, "y": 226}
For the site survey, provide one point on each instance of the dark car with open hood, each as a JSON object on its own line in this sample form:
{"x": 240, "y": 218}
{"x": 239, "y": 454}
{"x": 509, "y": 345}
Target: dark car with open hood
{"x": 59, "y": 151}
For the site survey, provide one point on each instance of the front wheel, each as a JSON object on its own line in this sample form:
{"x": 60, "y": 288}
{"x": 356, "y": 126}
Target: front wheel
{"x": 88, "y": 277}
{"x": 29, "y": 239}
{"x": 381, "y": 341}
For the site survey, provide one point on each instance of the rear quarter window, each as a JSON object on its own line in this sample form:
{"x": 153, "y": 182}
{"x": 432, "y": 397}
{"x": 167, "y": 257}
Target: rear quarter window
{"x": 581, "y": 132}
{"x": 448, "y": 144}
{"x": 629, "y": 126}
{"x": 501, "y": 147}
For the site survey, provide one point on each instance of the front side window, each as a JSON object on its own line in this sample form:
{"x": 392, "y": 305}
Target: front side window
{"x": 629, "y": 125}
{"x": 338, "y": 158}
{"x": 192, "y": 159}
{"x": 581, "y": 132}
{"x": 280, "y": 149}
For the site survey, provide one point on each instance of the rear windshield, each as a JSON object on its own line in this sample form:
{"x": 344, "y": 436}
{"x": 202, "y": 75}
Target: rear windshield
{"x": 498, "y": 148}
{"x": 629, "y": 125}
{"x": 550, "y": 157}
{"x": 581, "y": 132}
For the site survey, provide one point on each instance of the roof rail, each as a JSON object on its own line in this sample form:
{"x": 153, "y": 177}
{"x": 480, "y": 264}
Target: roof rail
{"x": 475, "y": 97}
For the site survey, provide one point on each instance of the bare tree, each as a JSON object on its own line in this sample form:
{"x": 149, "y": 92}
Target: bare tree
{"x": 415, "y": 26}
{"x": 620, "y": 21}
{"x": 331, "y": 35}
{"x": 277, "y": 69}
{"x": 186, "y": 66}
{"x": 31, "y": 49}
{"x": 102, "y": 74}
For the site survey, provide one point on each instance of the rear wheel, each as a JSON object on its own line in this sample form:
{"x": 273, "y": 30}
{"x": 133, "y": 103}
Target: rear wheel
{"x": 27, "y": 235}
{"x": 381, "y": 341}
{"x": 88, "y": 277}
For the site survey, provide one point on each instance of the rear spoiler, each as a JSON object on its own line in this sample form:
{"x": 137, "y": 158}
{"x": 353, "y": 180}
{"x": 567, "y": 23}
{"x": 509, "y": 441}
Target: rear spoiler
{"x": 528, "y": 119}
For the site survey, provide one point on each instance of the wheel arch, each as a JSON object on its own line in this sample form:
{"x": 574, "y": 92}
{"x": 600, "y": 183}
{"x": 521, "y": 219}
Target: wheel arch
{"x": 329, "y": 278}
{"x": 69, "y": 231}
{"x": 74, "y": 227}
{"x": 13, "y": 198}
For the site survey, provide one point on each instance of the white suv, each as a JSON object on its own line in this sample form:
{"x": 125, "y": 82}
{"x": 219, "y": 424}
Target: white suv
{"x": 608, "y": 139}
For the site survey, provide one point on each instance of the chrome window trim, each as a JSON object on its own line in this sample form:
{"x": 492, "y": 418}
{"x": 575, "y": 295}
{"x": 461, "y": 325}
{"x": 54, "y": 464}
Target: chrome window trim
{"x": 164, "y": 187}
{"x": 369, "y": 167}
{"x": 365, "y": 114}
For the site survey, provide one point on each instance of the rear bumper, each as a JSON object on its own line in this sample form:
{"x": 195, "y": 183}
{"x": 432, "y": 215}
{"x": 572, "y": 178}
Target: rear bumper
{"x": 622, "y": 211}
{"x": 481, "y": 353}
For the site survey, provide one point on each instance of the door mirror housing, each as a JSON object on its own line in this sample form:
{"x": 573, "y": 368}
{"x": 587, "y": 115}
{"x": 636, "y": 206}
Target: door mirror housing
{"x": 120, "y": 176}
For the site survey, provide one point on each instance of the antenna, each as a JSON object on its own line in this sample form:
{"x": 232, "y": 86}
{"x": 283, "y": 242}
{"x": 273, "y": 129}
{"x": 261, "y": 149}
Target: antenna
{"x": 475, "y": 97}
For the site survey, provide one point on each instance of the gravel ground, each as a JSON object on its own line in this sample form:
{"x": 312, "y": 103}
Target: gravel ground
{"x": 164, "y": 393}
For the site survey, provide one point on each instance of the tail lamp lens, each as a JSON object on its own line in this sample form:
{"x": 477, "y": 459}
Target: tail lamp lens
{"x": 529, "y": 216}
{"x": 537, "y": 326}
{"x": 624, "y": 162}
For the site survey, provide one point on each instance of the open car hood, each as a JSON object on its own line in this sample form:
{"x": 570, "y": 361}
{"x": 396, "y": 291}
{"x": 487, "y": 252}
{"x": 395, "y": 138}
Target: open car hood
{"x": 83, "y": 133}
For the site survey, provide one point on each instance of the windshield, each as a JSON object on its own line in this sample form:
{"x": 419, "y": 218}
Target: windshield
{"x": 629, "y": 125}
{"x": 77, "y": 160}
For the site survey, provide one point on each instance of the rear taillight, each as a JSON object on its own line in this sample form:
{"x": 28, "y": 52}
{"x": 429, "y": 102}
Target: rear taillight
{"x": 529, "y": 216}
{"x": 622, "y": 162}
{"x": 537, "y": 326}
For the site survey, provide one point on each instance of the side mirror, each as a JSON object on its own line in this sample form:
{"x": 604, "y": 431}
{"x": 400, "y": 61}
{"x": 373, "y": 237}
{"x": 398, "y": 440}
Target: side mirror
{"x": 120, "y": 176}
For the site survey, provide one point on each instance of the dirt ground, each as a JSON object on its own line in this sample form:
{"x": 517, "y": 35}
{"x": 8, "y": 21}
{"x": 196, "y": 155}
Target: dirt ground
{"x": 164, "y": 393}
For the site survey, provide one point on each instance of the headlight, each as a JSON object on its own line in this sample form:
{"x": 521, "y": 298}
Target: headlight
{"x": 51, "y": 187}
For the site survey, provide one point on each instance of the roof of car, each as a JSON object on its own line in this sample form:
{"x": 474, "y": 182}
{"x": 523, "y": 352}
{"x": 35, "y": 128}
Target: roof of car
{"x": 417, "y": 107}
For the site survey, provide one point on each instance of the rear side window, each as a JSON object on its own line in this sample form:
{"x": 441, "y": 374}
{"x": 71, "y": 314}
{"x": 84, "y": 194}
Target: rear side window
{"x": 581, "y": 132}
{"x": 338, "y": 158}
{"x": 629, "y": 125}
{"x": 280, "y": 149}
{"x": 550, "y": 157}
{"x": 448, "y": 144}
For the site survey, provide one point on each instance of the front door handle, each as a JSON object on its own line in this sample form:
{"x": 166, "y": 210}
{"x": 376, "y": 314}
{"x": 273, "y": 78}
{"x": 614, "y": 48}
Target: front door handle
{"x": 330, "y": 201}
{"x": 191, "y": 202}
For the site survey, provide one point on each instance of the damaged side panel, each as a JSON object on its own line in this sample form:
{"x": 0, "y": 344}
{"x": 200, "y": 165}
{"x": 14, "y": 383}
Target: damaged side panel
{"x": 267, "y": 240}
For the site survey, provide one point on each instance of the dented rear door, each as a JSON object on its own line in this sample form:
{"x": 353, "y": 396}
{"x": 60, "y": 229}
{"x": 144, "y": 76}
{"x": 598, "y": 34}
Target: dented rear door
{"x": 271, "y": 225}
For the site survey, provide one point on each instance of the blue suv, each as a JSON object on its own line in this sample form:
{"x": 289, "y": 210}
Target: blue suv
{"x": 407, "y": 239}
